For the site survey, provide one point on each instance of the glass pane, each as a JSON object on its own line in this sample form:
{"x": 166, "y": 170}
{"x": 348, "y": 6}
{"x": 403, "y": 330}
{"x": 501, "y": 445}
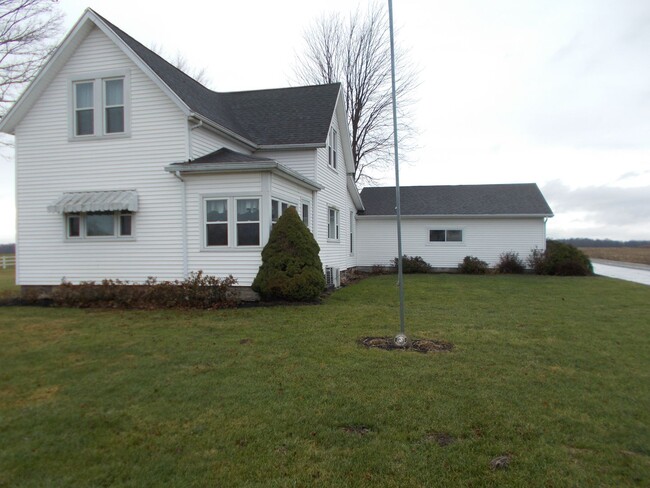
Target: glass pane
{"x": 454, "y": 235}
{"x": 99, "y": 224}
{"x": 217, "y": 234}
{"x": 248, "y": 234}
{"x": 73, "y": 226}
{"x": 85, "y": 124}
{"x": 114, "y": 92}
{"x": 114, "y": 120}
{"x": 284, "y": 207}
{"x": 274, "y": 210}
{"x": 305, "y": 214}
{"x": 248, "y": 210}
{"x": 216, "y": 210}
{"x": 84, "y": 95}
{"x": 437, "y": 236}
{"x": 125, "y": 225}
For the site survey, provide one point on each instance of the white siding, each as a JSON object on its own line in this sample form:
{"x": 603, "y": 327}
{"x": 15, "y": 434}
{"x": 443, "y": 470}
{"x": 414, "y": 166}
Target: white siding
{"x": 204, "y": 141}
{"x": 482, "y": 238}
{"x": 335, "y": 194}
{"x": 48, "y": 164}
{"x": 242, "y": 263}
{"x": 302, "y": 161}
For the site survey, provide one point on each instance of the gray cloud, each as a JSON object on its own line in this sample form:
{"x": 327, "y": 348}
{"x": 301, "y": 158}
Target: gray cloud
{"x": 605, "y": 205}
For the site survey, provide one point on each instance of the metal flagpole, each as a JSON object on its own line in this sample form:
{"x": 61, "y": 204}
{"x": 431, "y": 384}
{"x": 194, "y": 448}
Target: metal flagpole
{"x": 401, "y": 339}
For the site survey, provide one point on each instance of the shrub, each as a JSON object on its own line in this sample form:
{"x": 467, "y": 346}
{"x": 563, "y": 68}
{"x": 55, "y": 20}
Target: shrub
{"x": 291, "y": 268}
{"x": 510, "y": 262}
{"x": 560, "y": 259}
{"x": 473, "y": 265}
{"x": 414, "y": 264}
{"x": 198, "y": 290}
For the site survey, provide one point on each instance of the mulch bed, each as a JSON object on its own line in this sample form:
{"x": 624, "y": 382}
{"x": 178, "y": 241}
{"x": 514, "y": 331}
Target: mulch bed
{"x": 417, "y": 345}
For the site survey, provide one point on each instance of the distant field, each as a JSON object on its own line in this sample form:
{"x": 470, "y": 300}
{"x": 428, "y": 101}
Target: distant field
{"x": 628, "y": 254}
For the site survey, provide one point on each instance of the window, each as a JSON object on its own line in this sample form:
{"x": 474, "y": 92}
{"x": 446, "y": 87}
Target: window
{"x": 84, "y": 113}
{"x": 100, "y": 106}
{"x": 332, "y": 151}
{"x": 333, "y": 224}
{"x": 351, "y": 233}
{"x": 99, "y": 224}
{"x": 216, "y": 222}
{"x": 278, "y": 207}
{"x": 114, "y": 105}
{"x": 442, "y": 235}
{"x": 231, "y": 221}
{"x": 248, "y": 222}
{"x": 305, "y": 214}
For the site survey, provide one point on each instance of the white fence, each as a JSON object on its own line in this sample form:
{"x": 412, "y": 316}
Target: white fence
{"x": 8, "y": 261}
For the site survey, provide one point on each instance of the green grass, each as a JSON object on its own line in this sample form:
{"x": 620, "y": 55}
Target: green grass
{"x": 8, "y": 279}
{"x": 552, "y": 371}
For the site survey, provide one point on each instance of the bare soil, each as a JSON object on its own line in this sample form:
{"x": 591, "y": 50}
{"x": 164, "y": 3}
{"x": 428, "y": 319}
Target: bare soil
{"x": 417, "y": 345}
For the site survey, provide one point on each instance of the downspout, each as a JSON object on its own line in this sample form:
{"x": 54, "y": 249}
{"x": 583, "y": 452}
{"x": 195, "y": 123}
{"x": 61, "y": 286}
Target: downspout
{"x": 177, "y": 174}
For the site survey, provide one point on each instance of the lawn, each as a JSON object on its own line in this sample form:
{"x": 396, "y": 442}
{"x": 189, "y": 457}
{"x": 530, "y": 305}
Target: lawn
{"x": 553, "y": 372}
{"x": 7, "y": 279}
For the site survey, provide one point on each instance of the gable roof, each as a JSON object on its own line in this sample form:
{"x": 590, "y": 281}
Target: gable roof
{"x": 275, "y": 117}
{"x": 294, "y": 115}
{"x": 463, "y": 200}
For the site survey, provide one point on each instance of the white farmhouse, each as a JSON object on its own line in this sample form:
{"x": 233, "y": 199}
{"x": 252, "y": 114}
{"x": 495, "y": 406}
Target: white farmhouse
{"x": 128, "y": 168}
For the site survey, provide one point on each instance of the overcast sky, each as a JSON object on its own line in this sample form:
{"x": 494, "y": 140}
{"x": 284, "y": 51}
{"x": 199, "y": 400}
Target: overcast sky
{"x": 555, "y": 92}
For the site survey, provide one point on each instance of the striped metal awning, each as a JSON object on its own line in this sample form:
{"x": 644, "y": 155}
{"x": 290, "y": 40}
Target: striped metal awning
{"x": 95, "y": 201}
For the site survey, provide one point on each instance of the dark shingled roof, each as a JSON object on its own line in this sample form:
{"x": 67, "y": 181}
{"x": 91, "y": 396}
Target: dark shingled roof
{"x": 225, "y": 155}
{"x": 296, "y": 115}
{"x": 514, "y": 199}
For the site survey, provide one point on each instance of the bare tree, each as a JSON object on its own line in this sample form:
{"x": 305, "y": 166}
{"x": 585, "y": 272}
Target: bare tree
{"x": 181, "y": 62}
{"x": 356, "y": 52}
{"x": 28, "y": 31}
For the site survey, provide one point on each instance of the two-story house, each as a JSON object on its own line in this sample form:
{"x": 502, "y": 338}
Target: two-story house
{"x": 127, "y": 168}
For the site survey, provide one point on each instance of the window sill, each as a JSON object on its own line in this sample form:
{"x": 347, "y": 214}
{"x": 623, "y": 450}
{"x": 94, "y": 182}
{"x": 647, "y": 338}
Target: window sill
{"x": 104, "y": 137}
{"x": 231, "y": 248}
{"x": 99, "y": 239}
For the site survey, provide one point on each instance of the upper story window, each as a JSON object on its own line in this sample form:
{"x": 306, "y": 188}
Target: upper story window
{"x": 332, "y": 150}
{"x": 84, "y": 112}
{"x": 100, "y": 106}
{"x": 114, "y": 105}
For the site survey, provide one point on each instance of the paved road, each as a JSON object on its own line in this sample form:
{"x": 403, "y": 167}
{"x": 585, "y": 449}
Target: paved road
{"x": 639, "y": 273}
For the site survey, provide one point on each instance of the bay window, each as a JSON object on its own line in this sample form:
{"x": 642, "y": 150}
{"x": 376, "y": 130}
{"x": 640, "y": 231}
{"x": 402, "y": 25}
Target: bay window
{"x": 333, "y": 223}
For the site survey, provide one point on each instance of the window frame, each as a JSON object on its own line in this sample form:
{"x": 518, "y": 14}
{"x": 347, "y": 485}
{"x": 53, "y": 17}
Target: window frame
{"x": 231, "y": 202}
{"x": 332, "y": 149}
{"x": 446, "y": 240}
{"x": 99, "y": 107}
{"x": 333, "y": 230}
{"x": 206, "y": 223}
{"x": 248, "y": 222}
{"x": 83, "y": 236}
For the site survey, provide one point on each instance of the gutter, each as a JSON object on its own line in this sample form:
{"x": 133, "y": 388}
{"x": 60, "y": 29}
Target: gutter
{"x": 270, "y": 166}
{"x": 456, "y": 216}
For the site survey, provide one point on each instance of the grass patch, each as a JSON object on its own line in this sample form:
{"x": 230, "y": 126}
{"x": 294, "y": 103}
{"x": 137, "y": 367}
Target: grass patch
{"x": 8, "y": 280}
{"x": 550, "y": 373}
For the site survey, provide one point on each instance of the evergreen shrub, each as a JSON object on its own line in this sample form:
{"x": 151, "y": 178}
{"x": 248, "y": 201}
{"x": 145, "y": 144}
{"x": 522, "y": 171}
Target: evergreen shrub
{"x": 291, "y": 267}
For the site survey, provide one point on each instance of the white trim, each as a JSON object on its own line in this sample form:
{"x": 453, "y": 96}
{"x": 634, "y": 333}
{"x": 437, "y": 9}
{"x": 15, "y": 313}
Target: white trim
{"x": 337, "y": 224}
{"x": 99, "y": 123}
{"x": 231, "y": 200}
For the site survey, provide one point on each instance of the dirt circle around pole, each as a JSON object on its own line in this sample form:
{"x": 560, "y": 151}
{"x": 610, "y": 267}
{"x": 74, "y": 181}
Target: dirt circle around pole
{"x": 387, "y": 343}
